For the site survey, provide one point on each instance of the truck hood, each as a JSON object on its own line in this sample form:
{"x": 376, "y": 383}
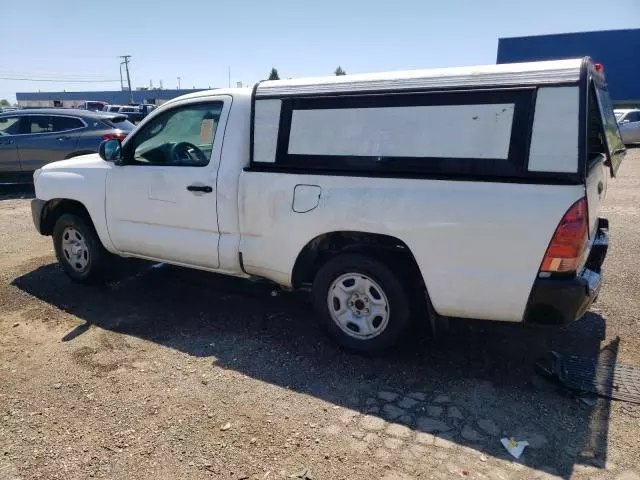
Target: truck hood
{"x": 80, "y": 178}
{"x": 91, "y": 160}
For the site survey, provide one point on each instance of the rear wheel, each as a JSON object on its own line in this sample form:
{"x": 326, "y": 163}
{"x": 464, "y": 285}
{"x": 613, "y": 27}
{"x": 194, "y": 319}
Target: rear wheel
{"x": 79, "y": 250}
{"x": 361, "y": 303}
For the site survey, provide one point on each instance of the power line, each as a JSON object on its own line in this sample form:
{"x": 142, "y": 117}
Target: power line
{"x": 57, "y": 81}
{"x": 52, "y": 74}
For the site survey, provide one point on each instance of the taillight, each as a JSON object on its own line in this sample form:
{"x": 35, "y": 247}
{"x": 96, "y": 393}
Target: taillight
{"x": 117, "y": 135}
{"x": 568, "y": 245}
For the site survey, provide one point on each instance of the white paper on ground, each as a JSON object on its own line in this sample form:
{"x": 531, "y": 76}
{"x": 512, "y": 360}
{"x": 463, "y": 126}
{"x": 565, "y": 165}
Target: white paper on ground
{"x": 514, "y": 447}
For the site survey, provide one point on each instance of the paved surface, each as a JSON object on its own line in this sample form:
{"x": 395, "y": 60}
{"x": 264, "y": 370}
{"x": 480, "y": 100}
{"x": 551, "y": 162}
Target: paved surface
{"x": 174, "y": 374}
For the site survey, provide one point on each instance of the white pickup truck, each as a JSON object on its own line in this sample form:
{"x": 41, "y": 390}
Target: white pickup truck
{"x": 464, "y": 192}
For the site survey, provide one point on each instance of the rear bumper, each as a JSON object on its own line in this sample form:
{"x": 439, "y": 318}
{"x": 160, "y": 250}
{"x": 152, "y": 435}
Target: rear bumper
{"x": 37, "y": 206}
{"x": 563, "y": 300}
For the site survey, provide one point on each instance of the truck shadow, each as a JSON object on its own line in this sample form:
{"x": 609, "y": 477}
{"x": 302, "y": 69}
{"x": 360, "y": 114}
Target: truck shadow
{"x": 484, "y": 370}
{"x": 16, "y": 192}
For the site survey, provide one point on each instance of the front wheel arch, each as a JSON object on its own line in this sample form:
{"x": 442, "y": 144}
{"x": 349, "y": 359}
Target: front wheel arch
{"x": 57, "y": 207}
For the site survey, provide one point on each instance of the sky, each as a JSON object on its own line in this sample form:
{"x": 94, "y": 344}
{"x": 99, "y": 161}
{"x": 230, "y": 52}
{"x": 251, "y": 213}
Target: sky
{"x": 75, "y": 44}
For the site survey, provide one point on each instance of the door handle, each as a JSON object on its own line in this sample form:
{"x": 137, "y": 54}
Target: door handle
{"x": 6, "y": 142}
{"x": 63, "y": 138}
{"x": 200, "y": 188}
{"x": 600, "y": 188}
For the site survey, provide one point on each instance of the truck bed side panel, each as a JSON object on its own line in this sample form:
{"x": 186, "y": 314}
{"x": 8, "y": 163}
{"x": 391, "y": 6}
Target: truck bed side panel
{"x": 478, "y": 244}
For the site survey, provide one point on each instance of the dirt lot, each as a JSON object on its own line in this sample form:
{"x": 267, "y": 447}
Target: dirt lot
{"x": 174, "y": 374}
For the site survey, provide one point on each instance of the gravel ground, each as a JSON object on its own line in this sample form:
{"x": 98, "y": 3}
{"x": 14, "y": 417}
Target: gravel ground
{"x": 174, "y": 374}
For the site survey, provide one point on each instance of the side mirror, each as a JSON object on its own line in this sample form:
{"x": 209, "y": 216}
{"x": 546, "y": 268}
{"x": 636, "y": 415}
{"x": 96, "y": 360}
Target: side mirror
{"x": 110, "y": 150}
{"x": 626, "y": 120}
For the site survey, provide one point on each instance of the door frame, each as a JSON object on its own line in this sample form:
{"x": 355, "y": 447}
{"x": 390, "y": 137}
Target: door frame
{"x": 212, "y": 167}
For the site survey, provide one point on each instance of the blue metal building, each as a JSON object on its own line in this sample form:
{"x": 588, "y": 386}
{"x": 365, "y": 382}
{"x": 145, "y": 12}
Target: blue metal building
{"x": 617, "y": 50}
{"x": 115, "y": 97}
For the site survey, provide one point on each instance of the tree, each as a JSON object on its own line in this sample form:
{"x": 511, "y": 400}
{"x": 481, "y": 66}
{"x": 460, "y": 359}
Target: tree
{"x": 339, "y": 71}
{"x": 274, "y": 74}
{"x": 4, "y": 103}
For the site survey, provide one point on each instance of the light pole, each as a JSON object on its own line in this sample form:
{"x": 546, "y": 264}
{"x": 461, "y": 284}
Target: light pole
{"x": 178, "y": 82}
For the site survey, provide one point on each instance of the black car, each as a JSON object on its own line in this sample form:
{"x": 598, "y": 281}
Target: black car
{"x": 31, "y": 138}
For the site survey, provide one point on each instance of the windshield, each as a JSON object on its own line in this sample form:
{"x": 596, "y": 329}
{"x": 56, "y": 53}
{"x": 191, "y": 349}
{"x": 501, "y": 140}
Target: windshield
{"x": 615, "y": 146}
{"x": 619, "y": 115}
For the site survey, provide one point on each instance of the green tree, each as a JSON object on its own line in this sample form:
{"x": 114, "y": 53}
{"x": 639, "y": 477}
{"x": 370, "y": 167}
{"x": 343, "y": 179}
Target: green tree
{"x": 339, "y": 71}
{"x": 4, "y": 103}
{"x": 274, "y": 74}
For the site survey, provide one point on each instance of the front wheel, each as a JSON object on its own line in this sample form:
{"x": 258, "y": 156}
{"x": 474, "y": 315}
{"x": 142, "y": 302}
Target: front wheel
{"x": 361, "y": 303}
{"x": 79, "y": 250}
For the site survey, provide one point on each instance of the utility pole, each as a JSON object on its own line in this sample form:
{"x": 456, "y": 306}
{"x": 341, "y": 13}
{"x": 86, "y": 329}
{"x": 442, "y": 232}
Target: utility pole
{"x": 121, "y": 84}
{"x": 178, "y": 82}
{"x": 126, "y": 65}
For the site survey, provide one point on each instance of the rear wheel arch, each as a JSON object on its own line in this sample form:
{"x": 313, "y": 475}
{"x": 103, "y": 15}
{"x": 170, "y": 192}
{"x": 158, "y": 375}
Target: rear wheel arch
{"x": 386, "y": 248}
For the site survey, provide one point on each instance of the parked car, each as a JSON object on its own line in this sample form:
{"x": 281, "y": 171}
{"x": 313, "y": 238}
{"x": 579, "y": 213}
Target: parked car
{"x": 465, "y": 192}
{"x": 93, "y": 106}
{"x": 629, "y": 124}
{"x": 31, "y": 138}
{"x": 135, "y": 113}
{"x": 112, "y": 108}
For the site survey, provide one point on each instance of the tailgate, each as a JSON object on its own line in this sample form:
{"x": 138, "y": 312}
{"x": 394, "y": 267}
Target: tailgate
{"x": 595, "y": 189}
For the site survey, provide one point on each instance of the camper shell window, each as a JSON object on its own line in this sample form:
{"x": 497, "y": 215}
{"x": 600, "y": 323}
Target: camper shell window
{"x": 455, "y": 132}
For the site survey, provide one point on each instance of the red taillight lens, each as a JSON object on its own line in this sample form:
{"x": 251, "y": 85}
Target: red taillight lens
{"x": 117, "y": 135}
{"x": 568, "y": 245}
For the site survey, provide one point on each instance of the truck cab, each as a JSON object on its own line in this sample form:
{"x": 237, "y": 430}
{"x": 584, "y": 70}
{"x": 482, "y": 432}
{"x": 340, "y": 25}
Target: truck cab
{"x": 471, "y": 193}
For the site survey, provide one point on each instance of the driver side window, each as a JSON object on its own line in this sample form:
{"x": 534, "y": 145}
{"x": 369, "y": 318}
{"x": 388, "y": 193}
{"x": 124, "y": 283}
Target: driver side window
{"x": 182, "y": 137}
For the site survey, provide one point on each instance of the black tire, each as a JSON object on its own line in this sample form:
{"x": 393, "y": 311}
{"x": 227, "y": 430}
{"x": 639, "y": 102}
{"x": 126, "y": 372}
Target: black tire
{"x": 96, "y": 270}
{"x": 397, "y": 294}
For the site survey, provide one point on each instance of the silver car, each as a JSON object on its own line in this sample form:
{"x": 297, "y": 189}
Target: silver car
{"x": 629, "y": 124}
{"x": 31, "y": 138}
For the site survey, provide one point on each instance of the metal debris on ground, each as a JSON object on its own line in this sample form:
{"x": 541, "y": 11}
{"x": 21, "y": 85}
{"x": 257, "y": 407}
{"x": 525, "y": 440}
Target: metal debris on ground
{"x": 592, "y": 375}
{"x": 514, "y": 447}
{"x": 304, "y": 475}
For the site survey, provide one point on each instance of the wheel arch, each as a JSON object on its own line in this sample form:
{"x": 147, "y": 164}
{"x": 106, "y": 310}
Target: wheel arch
{"x": 322, "y": 247}
{"x": 57, "y": 207}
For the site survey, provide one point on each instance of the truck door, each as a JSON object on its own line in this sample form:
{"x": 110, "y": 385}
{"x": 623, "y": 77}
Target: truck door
{"x": 161, "y": 202}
